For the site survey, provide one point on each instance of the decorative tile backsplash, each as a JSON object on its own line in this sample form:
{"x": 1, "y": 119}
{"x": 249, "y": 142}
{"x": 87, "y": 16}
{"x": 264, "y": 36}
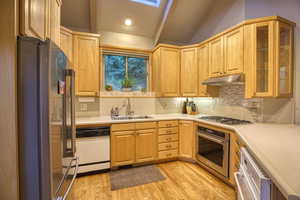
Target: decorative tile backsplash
{"x": 230, "y": 103}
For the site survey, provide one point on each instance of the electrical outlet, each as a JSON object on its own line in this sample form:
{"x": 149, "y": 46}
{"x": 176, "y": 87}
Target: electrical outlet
{"x": 83, "y": 107}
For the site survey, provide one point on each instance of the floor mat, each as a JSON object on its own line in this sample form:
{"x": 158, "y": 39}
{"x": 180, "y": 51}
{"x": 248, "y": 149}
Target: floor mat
{"x": 135, "y": 176}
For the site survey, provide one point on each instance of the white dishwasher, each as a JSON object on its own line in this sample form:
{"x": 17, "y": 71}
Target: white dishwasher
{"x": 251, "y": 182}
{"x": 93, "y": 148}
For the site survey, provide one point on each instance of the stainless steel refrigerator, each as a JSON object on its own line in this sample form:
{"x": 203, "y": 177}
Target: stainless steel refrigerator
{"x": 48, "y": 165}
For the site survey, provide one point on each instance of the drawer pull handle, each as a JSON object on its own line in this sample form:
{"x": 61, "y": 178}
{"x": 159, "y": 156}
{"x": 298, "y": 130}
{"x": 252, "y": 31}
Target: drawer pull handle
{"x": 169, "y": 125}
{"x": 169, "y": 131}
{"x": 168, "y": 139}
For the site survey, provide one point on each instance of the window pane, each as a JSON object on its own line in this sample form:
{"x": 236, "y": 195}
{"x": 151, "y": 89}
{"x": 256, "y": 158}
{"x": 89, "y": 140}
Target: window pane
{"x": 137, "y": 72}
{"x": 114, "y": 70}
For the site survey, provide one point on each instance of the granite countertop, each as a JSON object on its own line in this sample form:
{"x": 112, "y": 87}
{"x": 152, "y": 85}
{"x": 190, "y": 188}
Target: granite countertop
{"x": 276, "y": 147}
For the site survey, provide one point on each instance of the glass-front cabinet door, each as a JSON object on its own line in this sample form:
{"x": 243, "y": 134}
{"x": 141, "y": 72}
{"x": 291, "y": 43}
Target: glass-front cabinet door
{"x": 284, "y": 59}
{"x": 263, "y": 59}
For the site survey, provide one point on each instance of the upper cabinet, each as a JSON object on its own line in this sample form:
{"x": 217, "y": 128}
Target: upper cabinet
{"x": 86, "y": 61}
{"x": 234, "y": 51}
{"x": 41, "y": 19}
{"x": 203, "y": 64}
{"x": 166, "y": 70}
{"x": 216, "y": 57}
{"x": 55, "y": 9}
{"x": 269, "y": 47}
{"x": 66, "y": 42}
{"x": 34, "y": 18}
{"x": 227, "y": 53}
{"x": 189, "y": 72}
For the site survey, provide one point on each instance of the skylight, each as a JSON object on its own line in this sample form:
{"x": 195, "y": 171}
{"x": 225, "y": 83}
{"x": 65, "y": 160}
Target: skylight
{"x": 154, "y": 3}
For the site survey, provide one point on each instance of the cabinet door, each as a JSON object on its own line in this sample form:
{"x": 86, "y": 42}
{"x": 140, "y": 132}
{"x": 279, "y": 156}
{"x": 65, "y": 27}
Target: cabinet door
{"x": 203, "y": 65}
{"x": 35, "y": 21}
{"x": 234, "y": 51}
{"x": 189, "y": 72}
{"x": 55, "y": 21}
{"x": 284, "y": 60}
{"x": 186, "y": 139}
{"x": 264, "y": 59}
{"x": 169, "y": 69}
{"x": 156, "y": 72}
{"x": 66, "y": 42}
{"x": 86, "y": 64}
{"x": 146, "y": 145}
{"x": 216, "y": 57}
{"x": 122, "y": 148}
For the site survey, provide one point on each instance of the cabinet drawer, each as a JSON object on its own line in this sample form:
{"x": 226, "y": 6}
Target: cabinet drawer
{"x": 123, "y": 133}
{"x": 145, "y": 125}
{"x": 123, "y": 127}
{"x": 167, "y": 138}
{"x": 164, "y": 131}
{"x": 167, "y": 154}
{"x": 167, "y": 146}
{"x": 163, "y": 124}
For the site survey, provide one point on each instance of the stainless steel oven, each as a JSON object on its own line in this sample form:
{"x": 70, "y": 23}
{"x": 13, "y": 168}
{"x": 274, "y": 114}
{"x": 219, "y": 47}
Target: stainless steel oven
{"x": 213, "y": 149}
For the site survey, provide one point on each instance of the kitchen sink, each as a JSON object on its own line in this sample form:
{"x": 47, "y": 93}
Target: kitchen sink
{"x": 130, "y": 117}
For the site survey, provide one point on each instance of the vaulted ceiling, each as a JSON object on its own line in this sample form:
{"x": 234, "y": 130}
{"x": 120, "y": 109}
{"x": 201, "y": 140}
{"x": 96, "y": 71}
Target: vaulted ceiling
{"x": 174, "y": 21}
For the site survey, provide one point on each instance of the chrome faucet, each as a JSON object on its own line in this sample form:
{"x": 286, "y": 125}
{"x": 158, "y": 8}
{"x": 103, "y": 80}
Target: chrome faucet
{"x": 128, "y": 111}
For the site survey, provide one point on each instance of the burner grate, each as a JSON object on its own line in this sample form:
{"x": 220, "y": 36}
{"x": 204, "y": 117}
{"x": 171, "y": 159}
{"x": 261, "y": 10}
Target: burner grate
{"x": 225, "y": 120}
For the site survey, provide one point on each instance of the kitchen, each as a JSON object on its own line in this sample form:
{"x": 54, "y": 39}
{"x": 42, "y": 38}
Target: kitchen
{"x": 150, "y": 99}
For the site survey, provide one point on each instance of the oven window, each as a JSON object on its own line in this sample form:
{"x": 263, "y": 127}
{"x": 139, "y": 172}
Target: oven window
{"x": 210, "y": 150}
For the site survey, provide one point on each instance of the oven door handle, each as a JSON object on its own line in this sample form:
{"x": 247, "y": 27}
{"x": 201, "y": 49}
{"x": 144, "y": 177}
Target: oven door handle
{"x": 214, "y": 139}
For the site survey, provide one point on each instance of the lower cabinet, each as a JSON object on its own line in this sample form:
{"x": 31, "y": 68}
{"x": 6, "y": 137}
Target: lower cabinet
{"x": 186, "y": 139}
{"x": 122, "y": 148}
{"x": 130, "y": 145}
{"x": 168, "y": 139}
{"x": 146, "y": 142}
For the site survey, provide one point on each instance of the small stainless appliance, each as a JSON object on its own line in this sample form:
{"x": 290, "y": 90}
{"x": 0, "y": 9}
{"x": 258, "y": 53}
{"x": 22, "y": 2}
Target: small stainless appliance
{"x": 48, "y": 165}
{"x": 93, "y": 148}
{"x": 213, "y": 149}
{"x": 251, "y": 181}
{"x": 225, "y": 120}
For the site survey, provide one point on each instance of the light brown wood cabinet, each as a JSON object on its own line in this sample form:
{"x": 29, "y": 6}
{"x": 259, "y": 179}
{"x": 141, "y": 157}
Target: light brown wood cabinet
{"x": 216, "y": 57}
{"x": 55, "y": 13}
{"x": 186, "y": 139}
{"x": 269, "y": 48}
{"x": 203, "y": 64}
{"x": 168, "y": 139}
{"x": 86, "y": 60}
{"x": 122, "y": 148}
{"x": 130, "y": 145}
{"x": 189, "y": 72}
{"x": 146, "y": 145}
{"x": 66, "y": 42}
{"x": 234, "y": 51}
{"x": 35, "y": 18}
{"x": 166, "y": 71}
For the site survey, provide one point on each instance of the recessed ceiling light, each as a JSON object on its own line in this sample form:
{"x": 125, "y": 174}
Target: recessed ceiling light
{"x": 128, "y": 22}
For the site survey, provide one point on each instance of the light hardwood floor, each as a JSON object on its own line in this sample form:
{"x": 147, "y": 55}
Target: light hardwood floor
{"x": 184, "y": 181}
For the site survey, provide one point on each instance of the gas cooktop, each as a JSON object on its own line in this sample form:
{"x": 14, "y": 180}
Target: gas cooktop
{"x": 225, "y": 120}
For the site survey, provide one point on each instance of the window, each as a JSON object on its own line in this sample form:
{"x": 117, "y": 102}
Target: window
{"x": 154, "y": 3}
{"x": 121, "y": 67}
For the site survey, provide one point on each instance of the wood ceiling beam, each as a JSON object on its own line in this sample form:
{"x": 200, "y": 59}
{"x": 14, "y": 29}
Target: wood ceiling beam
{"x": 93, "y": 17}
{"x": 163, "y": 21}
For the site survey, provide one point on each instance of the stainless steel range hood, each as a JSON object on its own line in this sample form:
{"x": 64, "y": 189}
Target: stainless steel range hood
{"x": 225, "y": 80}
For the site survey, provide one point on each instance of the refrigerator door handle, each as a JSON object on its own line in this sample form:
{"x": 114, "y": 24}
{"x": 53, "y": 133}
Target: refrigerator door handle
{"x": 73, "y": 125}
{"x": 64, "y": 197}
{"x": 71, "y": 75}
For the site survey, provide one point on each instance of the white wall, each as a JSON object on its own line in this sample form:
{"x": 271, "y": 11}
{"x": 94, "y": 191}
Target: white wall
{"x": 126, "y": 40}
{"x": 222, "y": 15}
{"x": 289, "y": 9}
